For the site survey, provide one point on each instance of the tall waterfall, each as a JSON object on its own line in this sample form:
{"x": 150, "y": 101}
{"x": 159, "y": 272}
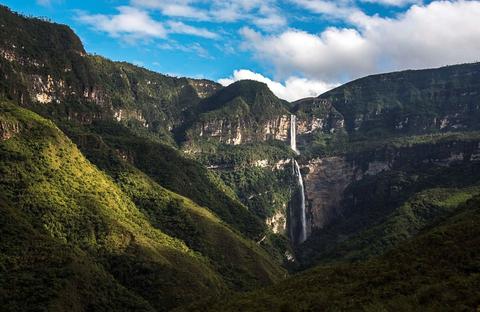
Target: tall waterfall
{"x": 302, "y": 234}
{"x": 293, "y": 133}
{"x": 303, "y": 218}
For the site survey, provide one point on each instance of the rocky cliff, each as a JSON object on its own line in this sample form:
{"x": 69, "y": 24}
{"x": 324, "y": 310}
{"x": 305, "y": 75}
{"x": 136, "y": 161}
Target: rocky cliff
{"x": 45, "y": 67}
{"x": 327, "y": 179}
{"x": 244, "y": 112}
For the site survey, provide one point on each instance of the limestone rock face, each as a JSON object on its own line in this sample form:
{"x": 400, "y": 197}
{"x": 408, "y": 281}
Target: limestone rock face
{"x": 238, "y": 130}
{"x": 325, "y": 184}
{"x": 278, "y": 222}
{"x": 328, "y": 178}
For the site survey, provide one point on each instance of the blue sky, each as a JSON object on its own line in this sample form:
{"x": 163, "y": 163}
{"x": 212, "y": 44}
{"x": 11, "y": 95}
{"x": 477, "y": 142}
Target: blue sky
{"x": 298, "y": 47}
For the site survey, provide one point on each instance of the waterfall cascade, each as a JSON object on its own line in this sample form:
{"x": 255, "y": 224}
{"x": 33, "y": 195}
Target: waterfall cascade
{"x": 302, "y": 234}
{"x": 293, "y": 133}
{"x": 303, "y": 218}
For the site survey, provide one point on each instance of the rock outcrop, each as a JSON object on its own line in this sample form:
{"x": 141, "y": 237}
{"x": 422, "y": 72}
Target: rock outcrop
{"x": 8, "y": 129}
{"x": 327, "y": 178}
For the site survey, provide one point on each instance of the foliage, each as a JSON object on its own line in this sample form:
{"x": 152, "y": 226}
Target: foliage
{"x": 241, "y": 262}
{"x": 381, "y": 211}
{"x": 437, "y": 270}
{"x": 62, "y": 196}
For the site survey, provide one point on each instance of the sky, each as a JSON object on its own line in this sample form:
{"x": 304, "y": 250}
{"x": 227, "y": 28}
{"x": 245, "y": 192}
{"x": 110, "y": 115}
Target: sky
{"x": 300, "y": 48}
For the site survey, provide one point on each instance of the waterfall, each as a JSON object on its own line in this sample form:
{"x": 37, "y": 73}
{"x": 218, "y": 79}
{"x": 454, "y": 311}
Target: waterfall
{"x": 303, "y": 218}
{"x": 293, "y": 133}
{"x": 302, "y": 236}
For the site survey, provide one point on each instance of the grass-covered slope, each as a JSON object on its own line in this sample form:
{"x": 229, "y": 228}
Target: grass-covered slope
{"x": 439, "y": 270}
{"x": 63, "y": 196}
{"x": 38, "y": 272}
{"x": 169, "y": 168}
{"x": 241, "y": 262}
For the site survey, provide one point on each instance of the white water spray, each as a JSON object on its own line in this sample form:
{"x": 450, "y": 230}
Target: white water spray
{"x": 296, "y": 171}
{"x": 293, "y": 133}
{"x": 303, "y": 218}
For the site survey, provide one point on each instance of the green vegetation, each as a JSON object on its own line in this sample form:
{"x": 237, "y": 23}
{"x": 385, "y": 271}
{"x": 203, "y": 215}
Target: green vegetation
{"x": 38, "y": 272}
{"x": 127, "y": 222}
{"x": 49, "y": 59}
{"x": 241, "y": 262}
{"x": 170, "y": 169}
{"x": 417, "y": 100}
{"x": 437, "y": 270}
{"x": 245, "y": 106}
{"x": 61, "y": 195}
{"x": 381, "y": 211}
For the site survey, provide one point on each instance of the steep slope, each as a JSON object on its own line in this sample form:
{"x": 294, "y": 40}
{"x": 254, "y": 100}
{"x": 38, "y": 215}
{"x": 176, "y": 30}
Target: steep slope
{"x": 62, "y": 196}
{"x": 45, "y": 67}
{"x": 394, "y": 104}
{"x": 243, "y": 112}
{"x": 169, "y": 168}
{"x": 411, "y": 101}
{"x": 438, "y": 270}
{"x": 242, "y": 263}
{"x": 39, "y": 272}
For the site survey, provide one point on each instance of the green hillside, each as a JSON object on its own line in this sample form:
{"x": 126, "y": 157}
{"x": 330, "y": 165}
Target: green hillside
{"x": 66, "y": 198}
{"x": 437, "y": 271}
{"x": 242, "y": 263}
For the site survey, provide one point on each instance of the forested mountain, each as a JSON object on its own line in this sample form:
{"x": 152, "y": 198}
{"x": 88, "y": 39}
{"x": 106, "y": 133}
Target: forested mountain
{"x": 125, "y": 189}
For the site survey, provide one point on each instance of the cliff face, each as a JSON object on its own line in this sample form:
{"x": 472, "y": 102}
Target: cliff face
{"x": 327, "y": 179}
{"x": 244, "y": 112}
{"x": 240, "y": 130}
{"x": 443, "y": 99}
{"x": 45, "y": 67}
{"x": 316, "y": 115}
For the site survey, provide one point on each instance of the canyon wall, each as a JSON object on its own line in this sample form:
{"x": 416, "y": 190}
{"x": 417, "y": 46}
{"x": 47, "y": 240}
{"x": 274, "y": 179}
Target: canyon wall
{"x": 326, "y": 179}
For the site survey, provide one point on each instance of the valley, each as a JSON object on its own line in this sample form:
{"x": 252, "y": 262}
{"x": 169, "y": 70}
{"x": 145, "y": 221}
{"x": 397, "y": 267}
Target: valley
{"x": 122, "y": 189}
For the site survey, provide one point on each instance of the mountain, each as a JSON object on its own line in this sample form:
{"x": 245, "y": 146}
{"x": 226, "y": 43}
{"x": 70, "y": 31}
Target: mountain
{"x": 63, "y": 196}
{"x": 125, "y": 189}
{"x": 245, "y": 111}
{"x": 437, "y": 270}
{"x": 110, "y": 194}
{"x": 46, "y": 68}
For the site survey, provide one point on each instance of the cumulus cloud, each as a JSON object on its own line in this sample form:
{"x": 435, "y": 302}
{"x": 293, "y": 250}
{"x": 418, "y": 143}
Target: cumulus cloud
{"x": 263, "y": 13}
{"x": 443, "y": 32}
{"x": 293, "y": 89}
{"x": 132, "y": 23}
{"x": 323, "y": 57}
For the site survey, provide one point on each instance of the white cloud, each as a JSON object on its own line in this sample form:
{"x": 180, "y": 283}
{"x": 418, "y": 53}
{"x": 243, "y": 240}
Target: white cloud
{"x": 174, "y": 8}
{"x": 441, "y": 33}
{"x": 130, "y": 23}
{"x": 323, "y": 57}
{"x": 397, "y": 3}
{"x": 263, "y": 13}
{"x": 181, "y": 28}
{"x": 293, "y": 89}
{"x": 340, "y": 9}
